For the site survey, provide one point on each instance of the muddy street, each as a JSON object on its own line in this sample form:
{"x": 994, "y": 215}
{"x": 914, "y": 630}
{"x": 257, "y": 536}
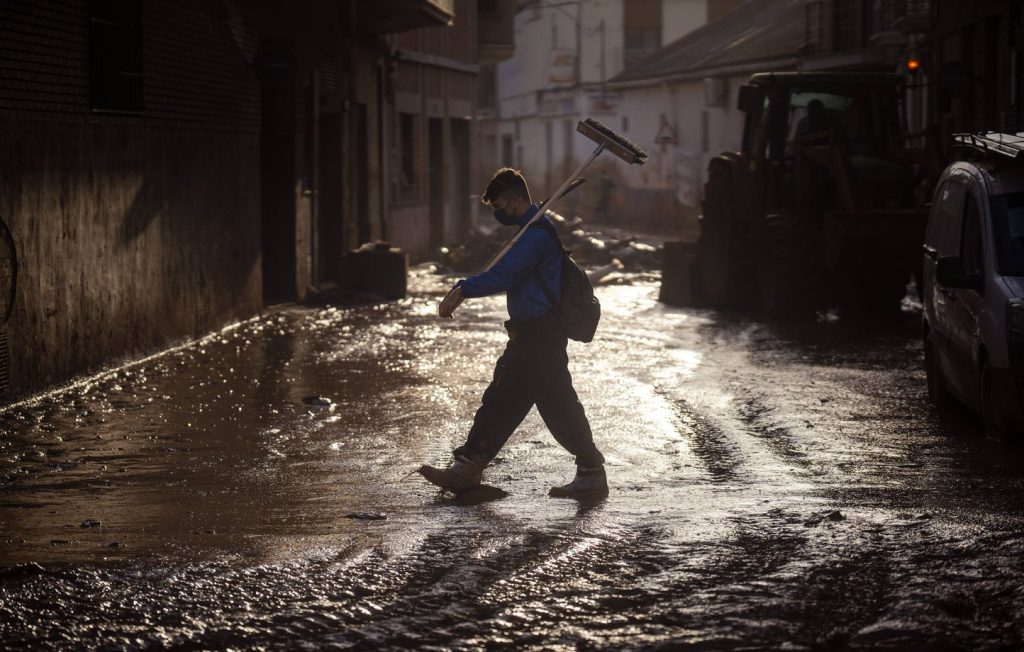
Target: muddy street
{"x": 771, "y": 487}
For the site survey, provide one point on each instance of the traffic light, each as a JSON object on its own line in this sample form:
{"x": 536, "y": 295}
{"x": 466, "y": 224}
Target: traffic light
{"x": 912, "y": 62}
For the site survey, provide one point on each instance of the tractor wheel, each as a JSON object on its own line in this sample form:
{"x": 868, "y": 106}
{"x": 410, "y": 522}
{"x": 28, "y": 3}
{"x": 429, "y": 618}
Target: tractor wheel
{"x": 789, "y": 279}
{"x": 718, "y": 249}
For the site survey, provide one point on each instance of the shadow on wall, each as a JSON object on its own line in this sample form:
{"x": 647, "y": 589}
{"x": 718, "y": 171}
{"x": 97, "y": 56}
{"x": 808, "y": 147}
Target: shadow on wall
{"x": 166, "y": 171}
{"x": 148, "y": 202}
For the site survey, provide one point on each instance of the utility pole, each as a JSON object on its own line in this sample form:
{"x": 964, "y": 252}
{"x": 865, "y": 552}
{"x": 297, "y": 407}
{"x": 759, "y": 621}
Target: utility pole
{"x": 579, "y": 42}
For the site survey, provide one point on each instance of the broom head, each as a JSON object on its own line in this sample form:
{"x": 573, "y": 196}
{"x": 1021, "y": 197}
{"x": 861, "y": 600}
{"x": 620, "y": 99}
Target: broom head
{"x": 613, "y": 142}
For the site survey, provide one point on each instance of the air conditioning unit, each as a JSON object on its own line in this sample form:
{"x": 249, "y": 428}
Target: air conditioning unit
{"x": 716, "y": 91}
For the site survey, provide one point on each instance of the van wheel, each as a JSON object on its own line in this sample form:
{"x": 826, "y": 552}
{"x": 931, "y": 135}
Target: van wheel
{"x": 995, "y": 421}
{"x": 937, "y": 394}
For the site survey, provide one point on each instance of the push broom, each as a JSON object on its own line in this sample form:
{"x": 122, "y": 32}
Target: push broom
{"x": 607, "y": 140}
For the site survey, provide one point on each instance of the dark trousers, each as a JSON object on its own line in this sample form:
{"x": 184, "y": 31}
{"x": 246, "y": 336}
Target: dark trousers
{"x": 533, "y": 370}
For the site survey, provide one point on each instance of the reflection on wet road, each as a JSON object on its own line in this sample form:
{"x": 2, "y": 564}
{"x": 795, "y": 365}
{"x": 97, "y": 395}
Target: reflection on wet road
{"x": 771, "y": 487}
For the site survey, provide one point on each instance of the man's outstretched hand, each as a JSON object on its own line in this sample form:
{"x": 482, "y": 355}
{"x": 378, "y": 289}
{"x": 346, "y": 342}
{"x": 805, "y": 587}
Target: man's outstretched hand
{"x": 450, "y": 302}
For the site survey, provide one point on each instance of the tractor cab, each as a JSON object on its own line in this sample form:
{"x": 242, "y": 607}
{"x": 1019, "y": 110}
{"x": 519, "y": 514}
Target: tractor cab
{"x": 827, "y": 141}
{"x": 818, "y": 208}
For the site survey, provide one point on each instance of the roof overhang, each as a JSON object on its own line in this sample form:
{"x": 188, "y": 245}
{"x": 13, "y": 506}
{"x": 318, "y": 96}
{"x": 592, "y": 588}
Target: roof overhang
{"x": 845, "y": 78}
{"x": 745, "y": 68}
{"x": 388, "y": 16}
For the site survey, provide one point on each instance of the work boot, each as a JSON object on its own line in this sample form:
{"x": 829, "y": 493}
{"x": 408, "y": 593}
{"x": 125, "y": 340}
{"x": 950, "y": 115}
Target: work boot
{"x": 590, "y": 482}
{"x": 464, "y": 473}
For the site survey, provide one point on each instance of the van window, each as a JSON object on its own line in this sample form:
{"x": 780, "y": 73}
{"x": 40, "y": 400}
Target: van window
{"x": 970, "y": 239}
{"x": 944, "y": 223}
{"x": 1008, "y": 233}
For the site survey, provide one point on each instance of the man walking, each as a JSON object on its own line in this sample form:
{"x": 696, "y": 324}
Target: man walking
{"x": 533, "y": 370}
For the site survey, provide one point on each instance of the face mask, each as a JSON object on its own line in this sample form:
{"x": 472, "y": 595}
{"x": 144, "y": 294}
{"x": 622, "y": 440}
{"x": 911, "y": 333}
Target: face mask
{"x": 504, "y": 218}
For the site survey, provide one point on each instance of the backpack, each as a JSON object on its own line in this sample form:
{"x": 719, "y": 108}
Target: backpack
{"x": 579, "y": 310}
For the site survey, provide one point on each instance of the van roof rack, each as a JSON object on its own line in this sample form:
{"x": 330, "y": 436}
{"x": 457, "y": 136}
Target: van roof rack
{"x": 994, "y": 142}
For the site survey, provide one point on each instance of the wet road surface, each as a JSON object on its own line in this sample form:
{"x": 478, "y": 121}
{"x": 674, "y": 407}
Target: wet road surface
{"x": 772, "y": 487}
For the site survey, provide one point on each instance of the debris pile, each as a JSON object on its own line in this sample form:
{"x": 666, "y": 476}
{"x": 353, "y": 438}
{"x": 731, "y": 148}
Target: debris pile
{"x": 602, "y": 255}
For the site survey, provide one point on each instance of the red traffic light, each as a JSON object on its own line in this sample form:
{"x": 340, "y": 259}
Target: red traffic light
{"x": 913, "y": 64}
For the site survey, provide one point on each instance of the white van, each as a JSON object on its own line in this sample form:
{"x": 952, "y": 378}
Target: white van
{"x": 973, "y": 282}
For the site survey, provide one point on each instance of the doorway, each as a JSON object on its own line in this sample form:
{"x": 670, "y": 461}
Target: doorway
{"x": 362, "y": 170}
{"x": 460, "y": 176}
{"x": 277, "y": 195}
{"x": 330, "y": 235}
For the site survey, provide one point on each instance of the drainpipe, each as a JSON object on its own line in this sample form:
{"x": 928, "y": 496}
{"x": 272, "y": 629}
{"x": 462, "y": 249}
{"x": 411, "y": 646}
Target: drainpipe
{"x": 579, "y": 73}
{"x": 579, "y": 42}
{"x": 315, "y": 268}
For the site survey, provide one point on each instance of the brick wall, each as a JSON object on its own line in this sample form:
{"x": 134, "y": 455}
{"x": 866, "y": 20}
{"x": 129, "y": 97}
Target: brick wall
{"x": 462, "y": 86}
{"x": 197, "y": 70}
{"x": 43, "y": 56}
{"x": 463, "y": 41}
{"x": 132, "y": 230}
{"x": 437, "y": 89}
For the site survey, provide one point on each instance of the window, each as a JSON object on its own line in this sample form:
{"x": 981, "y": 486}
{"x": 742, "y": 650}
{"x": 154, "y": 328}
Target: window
{"x": 115, "y": 55}
{"x": 970, "y": 240}
{"x": 944, "y": 228}
{"x": 488, "y": 93}
{"x": 407, "y": 135}
{"x": 1008, "y": 227}
{"x": 641, "y": 29}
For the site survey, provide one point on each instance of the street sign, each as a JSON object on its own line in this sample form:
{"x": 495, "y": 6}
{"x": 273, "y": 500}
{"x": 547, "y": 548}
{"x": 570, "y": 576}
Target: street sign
{"x": 666, "y": 133}
{"x": 562, "y": 66}
{"x": 607, "y": 102}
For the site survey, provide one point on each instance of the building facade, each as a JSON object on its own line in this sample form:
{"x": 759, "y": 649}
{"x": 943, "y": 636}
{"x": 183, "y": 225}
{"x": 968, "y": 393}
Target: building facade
{"x": 565, "y": 55}
{"x": 172, "y": 167}
{"x": 976, "y": 65}
{"x": 684, "y": 95}
{"x": 435, "y": 73}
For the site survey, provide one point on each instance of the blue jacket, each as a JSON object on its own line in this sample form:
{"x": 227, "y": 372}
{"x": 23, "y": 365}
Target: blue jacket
{"x": 514, "y": 274}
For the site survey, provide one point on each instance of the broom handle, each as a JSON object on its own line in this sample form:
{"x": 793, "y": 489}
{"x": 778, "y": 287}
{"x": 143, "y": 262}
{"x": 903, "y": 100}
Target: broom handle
{"x": 543, "y": 207}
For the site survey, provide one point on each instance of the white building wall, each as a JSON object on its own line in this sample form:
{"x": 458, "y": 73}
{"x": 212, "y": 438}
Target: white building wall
{"x": 672, "y": 182}
{"x": 539, "y": 103}
{"x": 601, "y": 26}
